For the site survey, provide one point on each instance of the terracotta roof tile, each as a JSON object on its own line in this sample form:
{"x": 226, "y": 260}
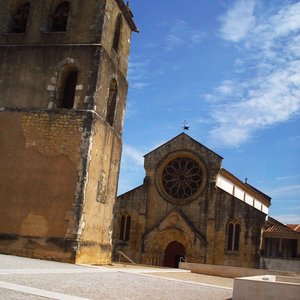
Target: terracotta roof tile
{"x": 295, "y": 227}
{"x": 280, "y": 229}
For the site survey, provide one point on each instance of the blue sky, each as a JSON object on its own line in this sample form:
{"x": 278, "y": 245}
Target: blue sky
{"x": 232, "y": 70}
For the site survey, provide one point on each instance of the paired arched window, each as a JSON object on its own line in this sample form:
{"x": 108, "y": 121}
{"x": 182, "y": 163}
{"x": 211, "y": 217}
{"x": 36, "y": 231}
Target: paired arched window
{"x": 125, "y": 228}
{"x": 67, "y": 87}
{"x": 60, "y": 17}
{"x": 20, "y": 17}
{"x": 117, "y": 34}
{"x": 112, "y": 102}
{"x": 233, "y": 236}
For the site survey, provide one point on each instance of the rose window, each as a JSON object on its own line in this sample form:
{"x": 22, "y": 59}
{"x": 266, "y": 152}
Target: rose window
{"x": 182, "y": 177}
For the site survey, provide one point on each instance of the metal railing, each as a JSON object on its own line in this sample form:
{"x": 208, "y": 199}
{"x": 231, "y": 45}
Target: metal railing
{"x": 126, "y": 257}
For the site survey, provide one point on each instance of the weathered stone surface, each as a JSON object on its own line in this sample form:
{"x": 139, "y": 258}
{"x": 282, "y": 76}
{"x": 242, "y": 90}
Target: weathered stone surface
{"x": 198, "y": 222}
{"x": 60, "y": 160}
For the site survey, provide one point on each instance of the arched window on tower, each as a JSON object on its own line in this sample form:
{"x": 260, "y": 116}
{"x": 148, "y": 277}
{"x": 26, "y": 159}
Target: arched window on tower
{"x": 19, "y": 19}
{"x": 60, "y": 17}
{"x": 117, "y": 34}
{"x": 125, "y": 228}
{"x": 111, "y": 102}
{"x": 233, "y": 236}
{"x": 67, "y": 87}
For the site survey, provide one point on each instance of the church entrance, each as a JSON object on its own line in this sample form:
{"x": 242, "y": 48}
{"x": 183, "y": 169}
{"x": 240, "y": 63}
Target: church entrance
{"x": 173, "y": 253}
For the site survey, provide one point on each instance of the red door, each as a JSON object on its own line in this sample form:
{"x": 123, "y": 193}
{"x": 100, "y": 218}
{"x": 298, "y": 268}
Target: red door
{"x": 173, "y": 253}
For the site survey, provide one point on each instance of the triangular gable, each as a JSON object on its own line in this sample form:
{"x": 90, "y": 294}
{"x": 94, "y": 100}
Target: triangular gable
{"x": 177, "y": 137}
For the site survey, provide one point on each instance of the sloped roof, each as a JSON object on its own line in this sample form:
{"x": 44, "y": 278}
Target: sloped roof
{"x": 246, "y": 187}
{"x": 259, "y": 192}
{"x": 280, "y": 229}
{"x": 128, "y": 15}
{"x": 295, "y": 227}
{"x": 176, "y": 137}
{"x": 275, "y": 227}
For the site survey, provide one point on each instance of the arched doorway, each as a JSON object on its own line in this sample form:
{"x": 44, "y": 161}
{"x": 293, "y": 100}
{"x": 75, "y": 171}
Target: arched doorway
{"x": 173, "y": 253}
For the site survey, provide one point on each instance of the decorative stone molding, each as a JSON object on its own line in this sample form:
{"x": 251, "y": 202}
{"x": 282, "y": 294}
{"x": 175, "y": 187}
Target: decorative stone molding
{"x": 181, "y": 177}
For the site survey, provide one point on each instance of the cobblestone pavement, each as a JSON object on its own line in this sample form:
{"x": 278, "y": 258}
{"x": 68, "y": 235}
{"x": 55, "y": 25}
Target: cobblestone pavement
{"x": 24, "y": 278}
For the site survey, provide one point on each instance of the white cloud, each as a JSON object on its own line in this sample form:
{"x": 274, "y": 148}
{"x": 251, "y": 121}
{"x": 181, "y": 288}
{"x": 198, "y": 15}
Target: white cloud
{"x": 294, "y": 45}
{"x": 132, "y": 155}
{"x": 137, "y": 73}
{"x": 286, "y": 21}
{"x": 132, "y": 170}
{"x": 197, "y": 37}
{"x": 209, "y": 97}
{"x": 288, "y": 218}
{"x": 285, "y": 191}
{"x": 226, "y": 88}
{"x": 288, "y": 177}
{"x": 228, "y": 135}
{"x": 238, "y": 20}
{"x": 139, "y": 85}
{"x": 270, "y": 91}
{"x": 225, "y": 91}
{"x": 131, "y": 110}
{"x": 137, "y": 67}
{"x": 181, "y": 34}
{"x": 239, "y": 62}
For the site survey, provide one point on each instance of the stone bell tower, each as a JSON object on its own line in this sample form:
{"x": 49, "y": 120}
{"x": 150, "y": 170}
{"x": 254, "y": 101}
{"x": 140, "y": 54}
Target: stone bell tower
{"x": 63, "y": 88}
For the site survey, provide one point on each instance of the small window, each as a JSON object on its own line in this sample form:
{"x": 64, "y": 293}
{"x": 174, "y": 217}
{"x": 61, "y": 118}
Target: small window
{"x": 60, "y": 17}
{"x": 125, "y": 228}
{"x": 233, "y": 236}
{"x": 19, "y": 19}
{"x": 117, "y": 34}
{"x": 67, "y": 87}
{"x": 111, "y": 102}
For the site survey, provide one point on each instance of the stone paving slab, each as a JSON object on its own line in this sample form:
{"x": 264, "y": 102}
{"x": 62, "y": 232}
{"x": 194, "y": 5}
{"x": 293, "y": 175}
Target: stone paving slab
{"x": 12, "y": 295}
{"x": 198, "y": 278}
{"x": 17, "y": 262}
{"x": 22, "y": 278}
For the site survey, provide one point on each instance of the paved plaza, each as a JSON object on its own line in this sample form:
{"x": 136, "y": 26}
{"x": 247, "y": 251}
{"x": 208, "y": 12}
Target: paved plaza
{"x": 24, "y": 278}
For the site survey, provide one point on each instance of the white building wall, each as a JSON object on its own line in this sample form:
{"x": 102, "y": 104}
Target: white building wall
{"x": 229, "y": 187}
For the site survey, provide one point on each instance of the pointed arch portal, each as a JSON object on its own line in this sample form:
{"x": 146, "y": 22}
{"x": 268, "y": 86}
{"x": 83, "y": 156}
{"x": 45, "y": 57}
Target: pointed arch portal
{"x": 173, "y": 253}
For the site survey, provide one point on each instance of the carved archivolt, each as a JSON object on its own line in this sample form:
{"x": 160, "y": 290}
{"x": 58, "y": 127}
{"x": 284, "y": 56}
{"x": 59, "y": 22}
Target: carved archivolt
{"x": 172, "y": 228}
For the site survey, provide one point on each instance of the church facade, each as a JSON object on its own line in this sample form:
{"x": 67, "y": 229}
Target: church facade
{"x": 190, "y": 208}
{"x": 63, "y": 87}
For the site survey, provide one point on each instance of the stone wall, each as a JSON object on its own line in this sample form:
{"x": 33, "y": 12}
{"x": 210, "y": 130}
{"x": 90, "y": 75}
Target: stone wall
{"x": 229, "y": 208}
{"x": 58, "y": 184}
{"x": 199, "y": 222}
{"x": 231, "y": 272}
{"x": 292, "y": 265}
{"x": 95, "y": 244}
{"x": 36, "y": 77}
{"x": 31, "y": 62}
{"x": 133, "y": 204}
{"x": 60, "y": 158}
{"x": 40, "y": 166}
